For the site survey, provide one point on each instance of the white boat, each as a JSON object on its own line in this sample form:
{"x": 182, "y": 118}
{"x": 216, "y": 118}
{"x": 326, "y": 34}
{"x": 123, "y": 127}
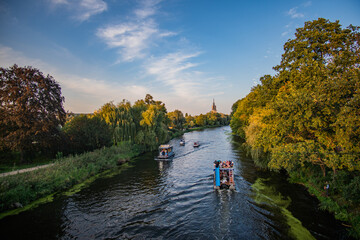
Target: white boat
{"x": 165, "y": 152}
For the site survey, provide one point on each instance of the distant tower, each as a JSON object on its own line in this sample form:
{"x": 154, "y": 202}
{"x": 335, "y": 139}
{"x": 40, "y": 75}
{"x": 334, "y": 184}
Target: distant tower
{"x": 213, "y": 109}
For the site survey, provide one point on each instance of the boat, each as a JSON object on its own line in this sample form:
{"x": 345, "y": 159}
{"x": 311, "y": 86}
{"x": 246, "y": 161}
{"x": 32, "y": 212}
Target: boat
{"x": 196, "y": 144}
{"x": 165, "y": 152}
{"x": 182, "y": 142}
{"x": 224, "y": 175}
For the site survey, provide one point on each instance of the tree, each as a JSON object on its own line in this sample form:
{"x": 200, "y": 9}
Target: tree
{"x": 308, "y": 112}
{"x": 201, "y": 120}
{"x": 154, "y": 125}
{"x": 177, "y": 119}
{"x": 87, "y": 133}
{"x": 31, "y": 109}
{"x": 321, "y": 68}
{"x": 190, "y": 121}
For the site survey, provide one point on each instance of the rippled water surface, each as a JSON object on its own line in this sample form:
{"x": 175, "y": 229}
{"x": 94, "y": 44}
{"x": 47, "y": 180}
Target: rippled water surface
{"x": 176, "y": 200}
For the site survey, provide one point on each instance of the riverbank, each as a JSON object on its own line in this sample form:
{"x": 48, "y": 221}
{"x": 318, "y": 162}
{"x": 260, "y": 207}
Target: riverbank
{"x": 343, "y": 210}
{"x": 29, "y": 187}
{"x": 20, "y": 190}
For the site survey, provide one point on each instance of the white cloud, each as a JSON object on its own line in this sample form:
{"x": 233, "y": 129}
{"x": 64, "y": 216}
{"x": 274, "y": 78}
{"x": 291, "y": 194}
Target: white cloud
{"x": 175, "y": 74}
{"x": 81, "y": 94}
{"x": 134, "y": 37}
{"x": 131, "y": 38}
{"x": 82, "y": 9}
{"x": 147, "y": 8}
{"x": 294, "y": 14}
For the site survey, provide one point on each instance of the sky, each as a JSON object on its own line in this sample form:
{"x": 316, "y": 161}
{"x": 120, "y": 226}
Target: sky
{"x": 184, "y": 53}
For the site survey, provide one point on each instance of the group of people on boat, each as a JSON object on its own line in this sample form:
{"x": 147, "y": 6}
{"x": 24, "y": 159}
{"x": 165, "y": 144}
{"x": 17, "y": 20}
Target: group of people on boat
{"x": 224, "y": 174}
{"x": 223, "y": 164}
{"x": 164, "y": 152}
{"x": 227, "y": 164}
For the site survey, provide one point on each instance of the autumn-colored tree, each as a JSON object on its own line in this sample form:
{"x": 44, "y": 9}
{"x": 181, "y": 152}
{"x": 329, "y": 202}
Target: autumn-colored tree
{"x": 154, "y": 122}
{"x": 190, "y": 121}
{"x": 321, "y": 66}
{"x": 31, "y": 109}
{"x": 201, "y": 120}
{"x": 177, "y": 119}
{"x": 308, "y": 112}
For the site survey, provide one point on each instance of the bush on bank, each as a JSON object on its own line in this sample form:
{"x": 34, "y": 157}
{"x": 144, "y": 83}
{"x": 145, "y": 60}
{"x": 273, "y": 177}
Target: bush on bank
{"x": 65, "y": 173}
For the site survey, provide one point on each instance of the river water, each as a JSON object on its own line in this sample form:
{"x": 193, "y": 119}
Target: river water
{"x": 176, "y": 200}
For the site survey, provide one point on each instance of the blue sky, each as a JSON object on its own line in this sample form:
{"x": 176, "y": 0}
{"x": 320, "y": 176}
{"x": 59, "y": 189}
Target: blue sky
{"x": 183, "y": 52}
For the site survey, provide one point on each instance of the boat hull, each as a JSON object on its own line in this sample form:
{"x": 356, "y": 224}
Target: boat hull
{"x": 165, "y": 158}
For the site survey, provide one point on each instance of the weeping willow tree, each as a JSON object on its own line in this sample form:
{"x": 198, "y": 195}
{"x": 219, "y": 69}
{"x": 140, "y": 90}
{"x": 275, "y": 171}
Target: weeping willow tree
{"x": 144, "y": 123}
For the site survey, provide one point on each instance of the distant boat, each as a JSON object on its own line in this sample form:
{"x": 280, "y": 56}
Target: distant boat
{"x": 224, "y": 175}
{"x": 196, "y": 144}
{"x": 182, "y": 142}
{"x": 165, "y": 152}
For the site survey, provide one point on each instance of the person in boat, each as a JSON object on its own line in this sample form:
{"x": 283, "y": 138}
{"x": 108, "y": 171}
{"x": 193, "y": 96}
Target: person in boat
{"x": 216, "y": 163}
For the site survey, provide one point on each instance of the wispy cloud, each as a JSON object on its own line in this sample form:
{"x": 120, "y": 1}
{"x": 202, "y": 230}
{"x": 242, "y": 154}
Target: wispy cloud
{"x": 82, "y": 94}
{"x": 307, "y": 4}
{"x": 176, "y": 73}
{"x": 130, "y": 38}
{"x": 147, "y": 8}
{"x": 133, "y": 37}
{"x": 294, "y": 14}
{"x": 82, "y": 9}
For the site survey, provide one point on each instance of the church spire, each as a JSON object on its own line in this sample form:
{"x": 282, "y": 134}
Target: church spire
{"x": 213, "y": 109}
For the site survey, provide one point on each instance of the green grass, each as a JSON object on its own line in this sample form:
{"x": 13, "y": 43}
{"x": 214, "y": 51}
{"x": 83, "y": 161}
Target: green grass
{"x": 66, "y": 172}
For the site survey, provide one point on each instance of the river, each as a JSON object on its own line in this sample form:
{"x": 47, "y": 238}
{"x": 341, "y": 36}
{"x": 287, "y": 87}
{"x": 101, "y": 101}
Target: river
{"x": 176, "y": 200}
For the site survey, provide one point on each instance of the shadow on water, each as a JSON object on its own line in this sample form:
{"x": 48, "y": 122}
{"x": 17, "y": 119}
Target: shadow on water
{"x": 176, "y": 200}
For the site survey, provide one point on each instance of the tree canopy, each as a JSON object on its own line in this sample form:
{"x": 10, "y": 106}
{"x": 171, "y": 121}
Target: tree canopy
{"x": 31, "y": 109}
{"x": 309, "y": 111}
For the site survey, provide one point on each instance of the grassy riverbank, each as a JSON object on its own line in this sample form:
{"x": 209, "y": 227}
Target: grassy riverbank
{"x": 343, "y": 209}
{"x": 22, "y": 189}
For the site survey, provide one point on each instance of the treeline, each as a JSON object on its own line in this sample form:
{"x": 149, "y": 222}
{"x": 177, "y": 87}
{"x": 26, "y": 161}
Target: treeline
{"x": 306, "y": 118}
{"x": 34, "y": 123}
{"x": 145, "y": 123}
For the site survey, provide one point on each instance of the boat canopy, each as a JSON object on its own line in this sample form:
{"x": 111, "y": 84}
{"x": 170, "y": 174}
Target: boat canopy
{"x": 165, "y": 146}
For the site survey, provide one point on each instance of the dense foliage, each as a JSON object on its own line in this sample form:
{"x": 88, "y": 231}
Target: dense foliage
{"x": 85, "y": 133}
{"x": 31, "y": 109}
{"x": 306, "y": 118}
{"x": 145, "y": 123}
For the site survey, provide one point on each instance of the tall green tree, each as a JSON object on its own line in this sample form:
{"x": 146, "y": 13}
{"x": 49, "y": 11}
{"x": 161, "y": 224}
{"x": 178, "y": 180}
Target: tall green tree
{"x": 308, "y": 112}
{"x": 31, "y": 109}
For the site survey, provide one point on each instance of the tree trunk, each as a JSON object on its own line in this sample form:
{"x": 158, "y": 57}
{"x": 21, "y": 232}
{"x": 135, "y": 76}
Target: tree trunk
{"x": 323, "y": 169}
